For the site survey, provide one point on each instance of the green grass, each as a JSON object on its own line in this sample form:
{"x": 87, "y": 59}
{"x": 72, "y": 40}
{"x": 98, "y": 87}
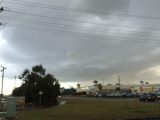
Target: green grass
{"x": 93, "y": 110}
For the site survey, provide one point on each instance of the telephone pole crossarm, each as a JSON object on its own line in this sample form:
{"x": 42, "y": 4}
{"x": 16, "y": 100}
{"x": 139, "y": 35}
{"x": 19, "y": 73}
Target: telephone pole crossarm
{"x": 1, "y": 9}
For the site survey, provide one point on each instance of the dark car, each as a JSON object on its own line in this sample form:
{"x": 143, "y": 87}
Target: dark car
{"x": 148, "y": 97}
{"x": 130, "y": 95}
{"x": 101, "y": 95}
{"x": 158, "y": 95}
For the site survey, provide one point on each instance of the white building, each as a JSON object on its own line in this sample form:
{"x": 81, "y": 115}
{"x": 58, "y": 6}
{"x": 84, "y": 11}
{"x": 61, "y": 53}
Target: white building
{"x": 124, "y": 88}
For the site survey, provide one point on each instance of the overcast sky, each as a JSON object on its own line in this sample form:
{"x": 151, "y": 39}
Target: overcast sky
{"x": 82, "y": 40}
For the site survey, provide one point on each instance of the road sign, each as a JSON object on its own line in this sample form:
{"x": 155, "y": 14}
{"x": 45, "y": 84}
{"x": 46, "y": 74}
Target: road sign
{"x": 40, "y": 92}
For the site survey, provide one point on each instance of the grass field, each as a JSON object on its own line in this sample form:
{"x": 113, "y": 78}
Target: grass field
{"x": 93, "y": 110}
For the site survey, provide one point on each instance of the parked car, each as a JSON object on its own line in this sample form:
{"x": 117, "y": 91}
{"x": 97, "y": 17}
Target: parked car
{"x": 101, "y": 95}
{"x": 130, "y": 95}
{"x": 151, "y": 97}
{"x": 127, "y": 95}
{"x": 158, "y": 95}
{"x": 123, "y": 94}
{"x": 113, "y": 95}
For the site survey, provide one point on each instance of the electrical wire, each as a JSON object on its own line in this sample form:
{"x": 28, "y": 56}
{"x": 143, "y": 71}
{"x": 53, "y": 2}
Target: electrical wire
{"x": 110, "y": 37}
{"x": 21, "y": 2}
{"x": 71, "y": 34}
{"x": 77, "y": 21}
{"x": 96, "y": 23}
{"x": 76, "y": 27}
{"x": 113, "y": 25}
{"x": 50, "y": 24}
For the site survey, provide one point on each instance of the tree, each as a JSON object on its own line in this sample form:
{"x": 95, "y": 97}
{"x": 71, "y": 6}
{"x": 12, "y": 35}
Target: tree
{"x": 35, "y": 81}
{"x": 20, "y": 91}
{"x": 95, "y": 82}
{"x": 142, "y": 82}
{"x": 100, "y": 87}
{"x": 147, "y": 83}
{"x": 117, "y": 84}
{"x": 78, "y": 86}
{"x": 117, "y": 89}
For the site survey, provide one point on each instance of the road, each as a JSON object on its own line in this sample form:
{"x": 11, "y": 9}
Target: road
{"x": 102, "y": 99}
{"x": 94, "y": 98}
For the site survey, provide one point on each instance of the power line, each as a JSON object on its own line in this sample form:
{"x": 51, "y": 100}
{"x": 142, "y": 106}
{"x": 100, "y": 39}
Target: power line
{"x": 21, "y": 2}
{"x": 79, "y": 21}
{"x": 69, "y": 20}
{"x": 64, "y": 26}
{"x": 10, "y": 76}
{"x": 141, "y": 39}
{"x": 112, "y": 25}
{"x": 62, "y": 33}
{"x": 49, "y": 24}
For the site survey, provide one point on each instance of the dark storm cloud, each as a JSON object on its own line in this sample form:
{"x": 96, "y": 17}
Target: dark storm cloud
{"x": 82, "y": 55}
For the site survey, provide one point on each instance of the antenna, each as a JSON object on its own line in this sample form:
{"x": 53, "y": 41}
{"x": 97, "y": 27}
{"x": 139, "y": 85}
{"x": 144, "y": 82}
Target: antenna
{"x": 15, "y": 82}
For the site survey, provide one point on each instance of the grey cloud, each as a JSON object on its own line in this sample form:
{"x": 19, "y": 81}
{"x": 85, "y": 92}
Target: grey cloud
{"x": 86, "y": 55}
{"x": 112, "y": 6}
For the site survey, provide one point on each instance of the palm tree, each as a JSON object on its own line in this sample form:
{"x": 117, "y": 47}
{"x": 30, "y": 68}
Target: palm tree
{"x": 117, "y": 83}
{"x": 95, "y": 82}
{"x": 100, "y": 87}
{"x": 147, "y": 83}
{"x": 78, "y": 86}
{"x": 142, "y": 82}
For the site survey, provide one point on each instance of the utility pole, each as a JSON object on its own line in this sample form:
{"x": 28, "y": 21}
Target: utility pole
{"x": 103, "y": 81}
{"x": 119, "y": 82}
{"x": 15, "y": 82}
{"x": 3, "y": 68}
{"x": 1, "y": 9}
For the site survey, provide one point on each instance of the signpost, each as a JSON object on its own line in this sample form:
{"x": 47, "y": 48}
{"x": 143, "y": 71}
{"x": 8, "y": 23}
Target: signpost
{"x": 40, "y": 99}
{"x": 1, "y": 105}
